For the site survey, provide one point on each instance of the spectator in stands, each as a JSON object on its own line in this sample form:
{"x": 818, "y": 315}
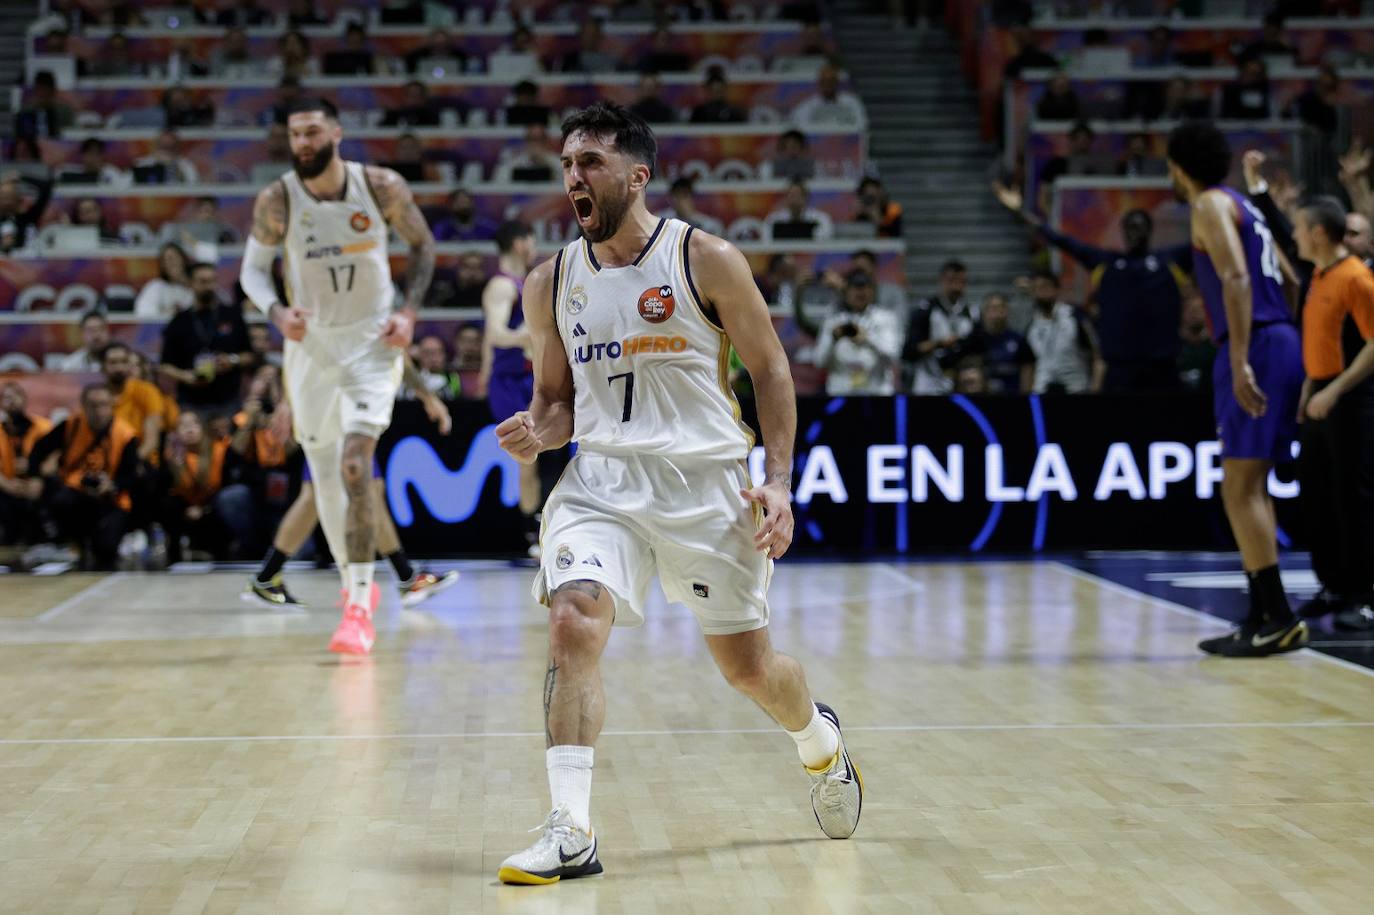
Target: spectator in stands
{"x": 87, "y": 211}
{"x": 1028, "y": 54}
{"x": 113, "y": 62}
{"x": 205, "y": 348}
{"x": 858, "y": 346}
{"x": 186, "y": 61}
{"x": 875, "y": 208}
{"x": 938, "y": 328}
{"x": 293, "y": 58}
{"x": 648, "y": 105}
{"x": 1060, "y": 101}
{"x": 22, "y": 202}
{"x": 1197, "y": 353}
{"x": 431, "y": 359}
{"x": 830, "y": 106}
{"x": 182, "y": 110}
{"x": 18, "y": 492}
{"x": 288, "y": 90}
{"x": 525, "y": 107}
{"x": 276, "y": 154}
{"x": 1184, "y": 101}
{"x": 1247, "y": 99}
{"x": 971, "y": 377}
{"x": 89, "y": 464}
{"x": 1159, "y": 48}
{"x": 45, "y": 113}
{"x": 93, "y": 169}
{"x": 355, "y": 58}
{"x": 261, "y": 461}
{"x": 684, "y": 207}
{"x": 1081, "y": 160}
{"x": 1319, "y": 106}
{"x": 136, "y": 402}
{"x": 1139, "y": 160}
{"x": 415, "y": 110}
{"x": 717, "y": 108}
{"x": 261, "y": 346}
{"x": 467, "y": 349}
{"x": 303, "y": 12}
{"x": 409, "y": 161}
{"x": 779, "y": 285}
{"x": 232, "y": 58}
{"x": 197, "y": 504}
{"x": 1005, "y": 356}
{"x": 1067, "y": 356}
{"x": 166, "y": 164}
{"x": 461, "y": 221}
{"x": 438, "y": 56}
{"x": 1139, "y": 295}
{"x": 1271, "y": 45}
{"x": 889, "y": 295}
{"x": 590, "y": 56}
{"x": 663, "y": 55}
{"x": 170, "y": 292}
{"x": 95, "y": 336}
{"x": 792, "y": 159}
{"x": 533, "y": 161}
{"x": 797, "y": 219}
{"x": 204, "y": 225}
{"x": 469, "y": 280}
{"x": 111, "y": 15}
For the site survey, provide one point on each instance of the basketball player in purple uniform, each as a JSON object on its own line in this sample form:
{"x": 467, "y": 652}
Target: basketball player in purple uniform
{"x": 510, "y": 383}
{"x": 1257, "y": 377}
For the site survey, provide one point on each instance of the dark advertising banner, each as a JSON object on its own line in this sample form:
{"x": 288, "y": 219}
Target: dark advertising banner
{"x": 900, "y": 475}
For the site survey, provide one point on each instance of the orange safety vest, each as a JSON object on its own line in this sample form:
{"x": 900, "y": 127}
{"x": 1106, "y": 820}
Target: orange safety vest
{"x": 6, "y": 457}
{"x": 83, "y": 453}
{"x": 22, "y": 445}
{"x": 267, "y": 451}
{"x": 198, "y": 487}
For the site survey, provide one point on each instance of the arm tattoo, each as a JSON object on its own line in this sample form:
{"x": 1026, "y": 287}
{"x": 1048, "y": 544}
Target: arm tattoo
{"x": 549, "y": 679}
{"x": 269, "y": 215}
{"x": 779, "y": 476}
{"x": 401, "y": 211}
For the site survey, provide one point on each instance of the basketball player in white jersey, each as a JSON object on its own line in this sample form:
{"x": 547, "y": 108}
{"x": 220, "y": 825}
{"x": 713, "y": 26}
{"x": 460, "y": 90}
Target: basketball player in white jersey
{"x": 343, "y": 356}
{"x": 631, "y": 327}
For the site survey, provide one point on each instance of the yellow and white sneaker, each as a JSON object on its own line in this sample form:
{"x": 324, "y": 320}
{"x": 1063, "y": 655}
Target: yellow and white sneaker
{"x": 272, "y": 593}
{"x": 837, "y": 790}
{"x": 425, "y": 585}
{"x": 563, "y": 851}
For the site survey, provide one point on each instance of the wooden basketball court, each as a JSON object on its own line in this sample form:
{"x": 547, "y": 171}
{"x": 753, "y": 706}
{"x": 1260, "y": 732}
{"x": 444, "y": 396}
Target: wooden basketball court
{"x": 1032, "y": 739}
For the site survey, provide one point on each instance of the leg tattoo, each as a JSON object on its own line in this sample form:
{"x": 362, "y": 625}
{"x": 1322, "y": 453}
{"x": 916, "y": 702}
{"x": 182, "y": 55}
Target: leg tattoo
{"x": 549, "y": 679}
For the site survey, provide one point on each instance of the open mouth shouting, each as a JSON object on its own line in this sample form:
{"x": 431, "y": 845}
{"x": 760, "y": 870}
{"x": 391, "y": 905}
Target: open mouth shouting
{"x": 582, "y": 205}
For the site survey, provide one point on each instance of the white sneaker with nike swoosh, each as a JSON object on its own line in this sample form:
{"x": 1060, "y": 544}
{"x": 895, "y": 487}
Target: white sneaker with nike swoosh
{"x": 562, "y": 852}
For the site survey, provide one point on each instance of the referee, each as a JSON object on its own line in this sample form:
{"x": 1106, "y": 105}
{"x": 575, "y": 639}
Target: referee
{"x": 1337, "y": 414}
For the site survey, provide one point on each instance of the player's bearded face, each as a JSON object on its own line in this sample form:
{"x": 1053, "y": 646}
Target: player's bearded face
{"x": 600, "y": 211}
{"x": 313, "y": 163}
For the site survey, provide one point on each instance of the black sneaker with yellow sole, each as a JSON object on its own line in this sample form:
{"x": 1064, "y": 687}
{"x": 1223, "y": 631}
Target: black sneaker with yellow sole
{"x": 271, "y": 593}
{"x": 1258, "y": 641}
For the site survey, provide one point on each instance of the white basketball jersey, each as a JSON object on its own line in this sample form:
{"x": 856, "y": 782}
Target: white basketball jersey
{"x": 336, "y": 263}
{"x": 650, "y": 370}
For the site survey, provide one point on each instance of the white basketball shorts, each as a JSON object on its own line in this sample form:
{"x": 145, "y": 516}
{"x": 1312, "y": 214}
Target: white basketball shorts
{"x": 341, "y": 380}
{"x": 620, "y": 519}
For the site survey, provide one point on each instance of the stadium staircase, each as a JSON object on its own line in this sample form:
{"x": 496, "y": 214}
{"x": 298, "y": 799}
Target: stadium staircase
{"x": 15, "y": 16}
{"x": 923, "y": 139}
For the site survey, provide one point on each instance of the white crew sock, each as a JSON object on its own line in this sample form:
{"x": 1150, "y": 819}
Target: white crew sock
{"x": 360, "y": 584}
{"x": 570, "y": 782}
{"x": 818, "y": 742}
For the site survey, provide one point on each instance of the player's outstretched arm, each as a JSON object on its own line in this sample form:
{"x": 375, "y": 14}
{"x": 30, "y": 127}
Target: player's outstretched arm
{"x": 727, "y": 284}
{"x": 1214, "y": 230}
{"x": 548, "y": 423}
{"x": 403, "y": 214}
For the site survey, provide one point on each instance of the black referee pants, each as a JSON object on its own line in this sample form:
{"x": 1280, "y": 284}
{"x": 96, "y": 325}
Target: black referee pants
{"x": 1336, "y": 470}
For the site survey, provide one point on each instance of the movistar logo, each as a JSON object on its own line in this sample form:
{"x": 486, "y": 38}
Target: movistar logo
{"x": 448, "y": 495}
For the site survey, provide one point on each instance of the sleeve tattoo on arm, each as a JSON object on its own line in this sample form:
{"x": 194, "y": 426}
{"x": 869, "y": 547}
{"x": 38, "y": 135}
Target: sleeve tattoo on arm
{"x": 269, "y": 215}
{"x": 401, "y": 211}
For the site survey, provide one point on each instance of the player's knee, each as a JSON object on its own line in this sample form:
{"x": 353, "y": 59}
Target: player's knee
{"x": 355, "y": 472}
{"x": 747, "y": 674}
{"x": 574, "y": 628}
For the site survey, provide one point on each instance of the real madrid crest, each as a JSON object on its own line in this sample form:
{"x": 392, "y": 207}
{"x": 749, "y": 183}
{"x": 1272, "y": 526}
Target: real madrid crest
{"x": 564, "y": 557}
{"x": 577, "y": 300}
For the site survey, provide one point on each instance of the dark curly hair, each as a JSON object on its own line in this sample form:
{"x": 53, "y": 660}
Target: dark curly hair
{"x": 1201, "y": 150}
{"x": 627, "y": 130}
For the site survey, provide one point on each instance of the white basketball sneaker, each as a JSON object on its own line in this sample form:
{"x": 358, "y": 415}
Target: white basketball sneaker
{"x": 562, "y": 851}
{"x": 837, "y": 790}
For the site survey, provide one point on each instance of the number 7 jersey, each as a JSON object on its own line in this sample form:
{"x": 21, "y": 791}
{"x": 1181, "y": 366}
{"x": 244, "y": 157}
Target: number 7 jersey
{"x": 650, "y": 370}
{"x": 336, "y": 264}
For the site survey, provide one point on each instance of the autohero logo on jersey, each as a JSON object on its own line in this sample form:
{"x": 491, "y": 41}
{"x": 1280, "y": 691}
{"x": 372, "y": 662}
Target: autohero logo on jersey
{"x": 339, "y": 250}
{"x": 641, "y": 345}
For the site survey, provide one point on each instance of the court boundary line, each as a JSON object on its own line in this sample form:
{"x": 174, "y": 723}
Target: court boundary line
{"x": 1174, "y": 607}
{"x": 94, "y": 587}
{"x": 722, "y": 732}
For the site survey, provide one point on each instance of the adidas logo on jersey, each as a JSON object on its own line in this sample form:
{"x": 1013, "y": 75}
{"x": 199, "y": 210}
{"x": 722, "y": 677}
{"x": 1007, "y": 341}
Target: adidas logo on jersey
{"x": 579, "y": 330}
